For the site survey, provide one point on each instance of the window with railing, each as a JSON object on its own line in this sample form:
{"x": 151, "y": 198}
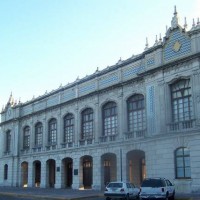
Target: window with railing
{"x": 68, "y": 128}
{"x": 136, "y": 114}
{"x": 26, "y": 139}
{"x": 110, "y": 124}
{"x": 182, "y": 110}
{"x": 52, "y": 139}
{"x": 87, "y": 125}
{"x": 38, "y": 134}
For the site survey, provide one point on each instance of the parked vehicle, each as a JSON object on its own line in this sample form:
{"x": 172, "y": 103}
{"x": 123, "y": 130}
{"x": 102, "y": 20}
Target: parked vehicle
{"x": 121, "y": 190}
{"x": 157, "y": 188}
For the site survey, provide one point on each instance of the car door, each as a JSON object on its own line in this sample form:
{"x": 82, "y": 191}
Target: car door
{"x": 135, "y": 190}
{"x": 129, "y": 189}
{"x": 169, "y": 187}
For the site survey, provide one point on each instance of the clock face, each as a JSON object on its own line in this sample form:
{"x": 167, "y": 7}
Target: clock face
{"x": 177, "y": 46}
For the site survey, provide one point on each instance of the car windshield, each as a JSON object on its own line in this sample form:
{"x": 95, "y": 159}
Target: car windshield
{"x": 114, "y": 185}
{"x": 153, "y": 183}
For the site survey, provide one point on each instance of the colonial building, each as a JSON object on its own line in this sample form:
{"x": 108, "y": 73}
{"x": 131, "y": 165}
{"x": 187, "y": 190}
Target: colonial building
{"x": 138, "y": 118}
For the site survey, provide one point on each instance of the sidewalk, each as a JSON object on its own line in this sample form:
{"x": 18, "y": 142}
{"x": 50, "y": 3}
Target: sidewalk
{"x": 68, "y": 194}
{"x": 50, "y": 193}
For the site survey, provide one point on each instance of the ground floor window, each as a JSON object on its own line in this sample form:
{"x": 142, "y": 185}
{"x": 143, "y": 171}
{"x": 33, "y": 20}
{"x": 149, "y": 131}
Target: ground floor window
{"x": 182, "y": 163}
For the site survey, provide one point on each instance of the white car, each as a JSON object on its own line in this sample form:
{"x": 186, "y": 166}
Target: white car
{"x": 121, "y": 190}
{"x": 157, "y": 188}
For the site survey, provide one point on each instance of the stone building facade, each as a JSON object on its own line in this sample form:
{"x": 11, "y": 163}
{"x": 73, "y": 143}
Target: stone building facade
{"x": 138, "y": 118}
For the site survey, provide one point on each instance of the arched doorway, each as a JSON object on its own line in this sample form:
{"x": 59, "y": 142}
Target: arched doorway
{"x": 87, "y": 172}
{"x": 51, "y": 174}
{"x": 24, "y": 174}
{"x": 37, "y": 173}
{"x": 109, "y": 169}
{"x": 136, "y": 167}
{"x": 67, "y": 169}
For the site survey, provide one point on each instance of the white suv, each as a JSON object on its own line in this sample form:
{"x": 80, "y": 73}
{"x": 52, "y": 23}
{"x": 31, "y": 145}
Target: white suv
{"x": 157, "y": 188}
{"x": 121, "y": 190}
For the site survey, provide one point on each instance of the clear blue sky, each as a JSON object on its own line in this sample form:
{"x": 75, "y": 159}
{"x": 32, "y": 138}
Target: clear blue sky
{"x": 45, "y": 43}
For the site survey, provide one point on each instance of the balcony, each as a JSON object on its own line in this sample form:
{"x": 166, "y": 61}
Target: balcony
{"x": 6, "y": 153}
{"x": 108, "y": 138}
{"x": 135, "y": 134}
{"x": 84, "y": 142}
{"x": 182, "y": 125}
{"x": 67, "y": 145}
{"x": 37, "y": 149}
{"x": 51, "y": 147}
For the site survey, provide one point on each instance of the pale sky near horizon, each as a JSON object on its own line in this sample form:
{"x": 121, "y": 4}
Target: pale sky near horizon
{"x": 46, "y": 43}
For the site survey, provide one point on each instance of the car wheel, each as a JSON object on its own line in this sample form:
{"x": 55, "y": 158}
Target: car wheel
{"x": 108, "y": 198}
{"x": 166, "y": 198}
{"x": 127, "y": 197}
{"x": 172, "y": 197}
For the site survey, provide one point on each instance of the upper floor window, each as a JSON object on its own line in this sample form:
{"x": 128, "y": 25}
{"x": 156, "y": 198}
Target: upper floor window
{"x": 136, "y": 113}
{"x": 52, "y": 131}
{"x": 87, "y": 124}
{"x": 38, "y": 134}
{"x": 5, "y": 172}
{"x": 68, "y": 128}
{"x": 8, "y": 141}
{"x": 27, "y": 137}
{"x": 110, "y": 119}
{"x": 181, "y": 100}
{"x": 182, "y": 163}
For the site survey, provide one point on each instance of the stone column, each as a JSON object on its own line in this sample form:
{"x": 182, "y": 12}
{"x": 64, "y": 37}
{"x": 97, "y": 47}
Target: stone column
{"x": 44, "y": 176}
{"x": 121, "y": 165}
{"x": 58, "y": 183}
{"x": 76, "y": 173}
{"x": 30, "y": 174}
{"x": 96, "y": 173}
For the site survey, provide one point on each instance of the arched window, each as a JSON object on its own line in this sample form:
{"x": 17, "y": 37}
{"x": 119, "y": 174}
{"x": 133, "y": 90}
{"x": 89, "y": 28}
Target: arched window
{"x": 5, "y": 172}
{"x": 8, "y": 141}
{"x": 182, "y": 163}
{"x": 68, "y": 128}
{"x": 52, "y": 131}
{"x": 181, "y": 100}
{"x": 27, "y": 137}
{"x": 136, "y": 113}
{"x": 110, "y": 119}
{"x": 87, "y": 124}
{"x": 38, "y": 134}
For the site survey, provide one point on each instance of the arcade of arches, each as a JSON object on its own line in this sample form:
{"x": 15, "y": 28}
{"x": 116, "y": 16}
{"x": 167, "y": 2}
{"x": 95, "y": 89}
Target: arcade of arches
{"x": 110, "y": 170}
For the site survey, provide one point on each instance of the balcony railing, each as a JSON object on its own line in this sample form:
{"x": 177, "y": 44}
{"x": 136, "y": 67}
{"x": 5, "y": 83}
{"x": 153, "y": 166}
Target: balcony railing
{"x": 6, "y": 153}
{"x": 67, "y": 145}
{"x": 182, "y": 125}
{"x": 108, "y": 138}
{"x": 135, "y": 134}
{"x": 88, "y": 141}
{"x": 37, "y": 149}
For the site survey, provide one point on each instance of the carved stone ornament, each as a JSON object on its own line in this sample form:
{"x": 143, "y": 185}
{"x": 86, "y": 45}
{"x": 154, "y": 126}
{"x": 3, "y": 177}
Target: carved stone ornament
{"x": 177, "y": 46}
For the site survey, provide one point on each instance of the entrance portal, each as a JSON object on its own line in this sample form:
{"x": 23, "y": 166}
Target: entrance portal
{"x": 136, "y": 167}
{"x": 24, "y": 172}
{"x": 87, "y": 172}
